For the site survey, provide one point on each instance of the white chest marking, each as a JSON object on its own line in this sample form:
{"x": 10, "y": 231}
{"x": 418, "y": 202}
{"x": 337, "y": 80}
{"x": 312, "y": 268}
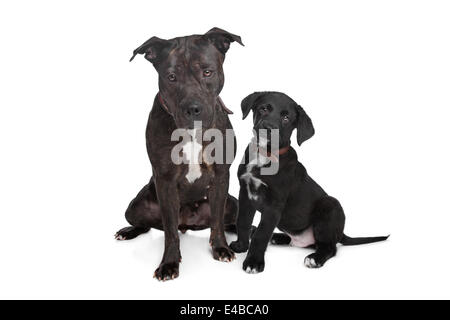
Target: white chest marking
{"x": 192, "y": 150}
{"x": 263, "y": 141}
{"x": 304, "y": 239}
{"x": 252, "y": 180}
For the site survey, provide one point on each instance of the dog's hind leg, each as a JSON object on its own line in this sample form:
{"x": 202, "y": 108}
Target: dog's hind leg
{"x": 328, "y": 227}
{"x": 129, "y": 233}
{"x": 143, "y": 213}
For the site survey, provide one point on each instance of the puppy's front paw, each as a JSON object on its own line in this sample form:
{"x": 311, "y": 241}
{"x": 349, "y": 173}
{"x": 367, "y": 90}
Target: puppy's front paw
{"x": 311, "y": 261}
{"x": 239, "y": 247}
{"x": 167, "y": 271}
{"x": 253, "y": 264}
{"x": 223, "y": 254}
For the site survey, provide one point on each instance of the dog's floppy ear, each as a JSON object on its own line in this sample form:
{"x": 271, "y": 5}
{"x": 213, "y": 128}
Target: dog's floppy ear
{"x": 247, "y": 103}
{"x": 221, "y": 39}
{"x": 305, "y": 128}
{"x": 152, "y": 48}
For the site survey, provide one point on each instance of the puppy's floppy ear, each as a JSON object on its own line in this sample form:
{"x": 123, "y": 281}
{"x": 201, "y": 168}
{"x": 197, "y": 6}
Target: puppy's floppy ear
{"x": 305, "y": 128}
{"x": 152, "y": 48}
{"x": 247, "y": 103}
{"x": 221, "y": 39}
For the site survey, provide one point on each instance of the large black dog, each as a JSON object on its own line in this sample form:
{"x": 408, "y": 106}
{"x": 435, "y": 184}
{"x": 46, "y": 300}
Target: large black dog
{"x": 289, "y": 199}
{"x": 188, "y": 195}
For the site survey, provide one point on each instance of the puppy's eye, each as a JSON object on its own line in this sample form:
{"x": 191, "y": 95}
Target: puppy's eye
{"x": 207, "y": 73}
{"x": 285, "y": 119}
{"x": 172, "y": 77}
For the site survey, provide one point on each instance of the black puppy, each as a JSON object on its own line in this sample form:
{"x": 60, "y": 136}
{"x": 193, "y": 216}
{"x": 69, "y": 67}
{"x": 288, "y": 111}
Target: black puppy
{"x": 289, "y": 199}
{"x": 190, "y": 195}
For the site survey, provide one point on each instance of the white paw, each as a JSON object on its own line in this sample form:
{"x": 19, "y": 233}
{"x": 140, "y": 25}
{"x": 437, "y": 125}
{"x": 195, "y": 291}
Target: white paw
{"x": 225, "y": 259}
{"x": 250, "y": 270}
{"x": 119, "y": 237}
{"x": 311, "y": 263}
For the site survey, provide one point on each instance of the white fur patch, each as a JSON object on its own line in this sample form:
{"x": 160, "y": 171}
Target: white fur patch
{"x": 304, "y": 239}
{"x": 263, "y": 142}
{"x": 252, "y": 180}
{"x": 250, "y": 270}
{"x": 311, "y": 263}
{"x": 192, "y": 150}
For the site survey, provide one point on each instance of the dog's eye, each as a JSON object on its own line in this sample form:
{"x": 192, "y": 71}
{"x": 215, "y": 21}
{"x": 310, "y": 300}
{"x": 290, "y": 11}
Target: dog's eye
{"x": 207, "y": 73}
{"x": 285, "y": 118}
{"x": 264, "y": 109}
{"x": 172, "y": 77}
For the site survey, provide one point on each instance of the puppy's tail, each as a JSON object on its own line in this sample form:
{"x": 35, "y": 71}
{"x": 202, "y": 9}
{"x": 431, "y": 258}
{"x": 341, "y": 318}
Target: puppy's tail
{"x": 348, "y": 241}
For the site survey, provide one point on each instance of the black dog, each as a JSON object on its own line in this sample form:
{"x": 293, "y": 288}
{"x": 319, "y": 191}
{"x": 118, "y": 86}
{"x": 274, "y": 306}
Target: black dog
{"x": 185, "y": 196}
{"x": 290, "y": 199}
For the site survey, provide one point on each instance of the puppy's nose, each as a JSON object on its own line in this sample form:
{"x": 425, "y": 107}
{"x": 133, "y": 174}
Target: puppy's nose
{"x": 266, "y": 125}
{"x": 269, "y": 126}
{"x": 193, "y": 111}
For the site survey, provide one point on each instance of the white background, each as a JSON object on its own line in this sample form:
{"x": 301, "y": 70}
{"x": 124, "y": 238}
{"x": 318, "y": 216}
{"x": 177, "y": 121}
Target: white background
{"x": 373, "y": 75}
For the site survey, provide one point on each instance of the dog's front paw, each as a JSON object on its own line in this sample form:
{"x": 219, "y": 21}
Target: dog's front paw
{"x": 312, "y": 261}
{"x": 223, "y": 254}
{"x": 238, "y": 246}
{"x": 167, "y": 271}
{"x": 253, "y": 264}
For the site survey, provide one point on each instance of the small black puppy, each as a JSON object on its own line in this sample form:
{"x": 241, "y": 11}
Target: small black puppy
{"x": 289, "y": 199}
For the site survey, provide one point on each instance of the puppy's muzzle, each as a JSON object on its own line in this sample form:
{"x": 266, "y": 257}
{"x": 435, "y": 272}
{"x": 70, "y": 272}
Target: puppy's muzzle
{"x": 263, "y": 124}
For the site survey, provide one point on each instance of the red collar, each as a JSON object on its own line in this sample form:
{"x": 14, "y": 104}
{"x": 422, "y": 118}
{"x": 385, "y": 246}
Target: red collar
{"x": 274, "y": 155}
{"x": 166, "y": 109}
{"x": 163, "y": 104}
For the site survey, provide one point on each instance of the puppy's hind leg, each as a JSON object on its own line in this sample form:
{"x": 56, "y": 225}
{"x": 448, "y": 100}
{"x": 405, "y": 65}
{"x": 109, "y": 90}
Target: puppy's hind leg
{"x": 328, "y": 228}
{"x": 279, "y": 238}
{"x": 143, "y": 213}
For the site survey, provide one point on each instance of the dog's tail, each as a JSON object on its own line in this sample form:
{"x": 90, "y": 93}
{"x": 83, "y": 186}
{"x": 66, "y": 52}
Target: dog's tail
{"x": 348, "y": 241}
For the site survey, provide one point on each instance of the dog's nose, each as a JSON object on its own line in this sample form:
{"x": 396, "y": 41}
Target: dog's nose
{"x": 193, "y": 111}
